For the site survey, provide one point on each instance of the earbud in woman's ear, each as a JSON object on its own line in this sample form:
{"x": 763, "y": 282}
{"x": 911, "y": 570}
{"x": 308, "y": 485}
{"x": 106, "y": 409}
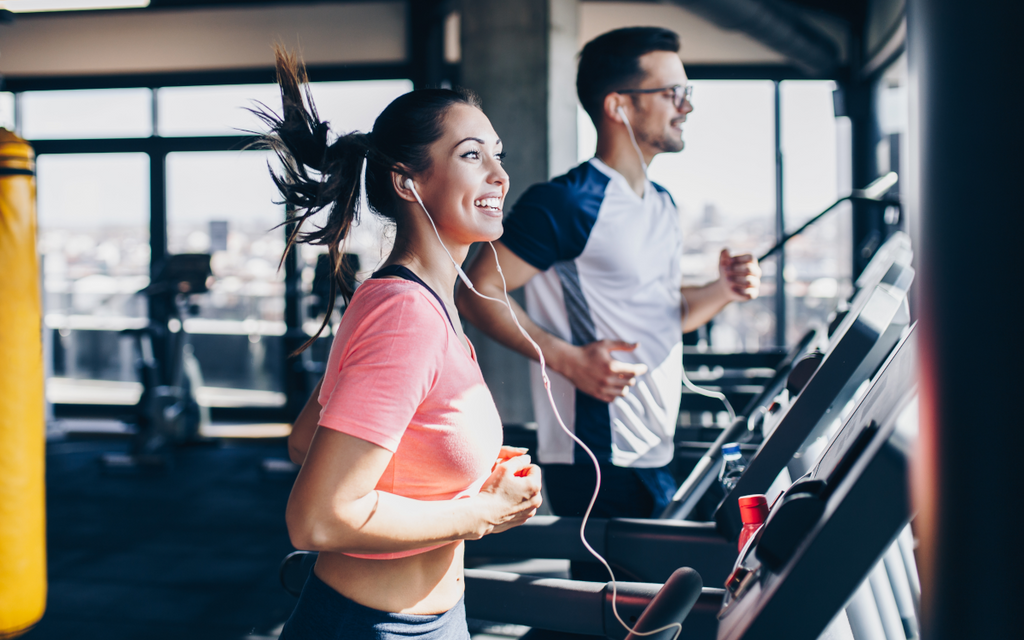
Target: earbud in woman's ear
{"x": 409, "y": 184}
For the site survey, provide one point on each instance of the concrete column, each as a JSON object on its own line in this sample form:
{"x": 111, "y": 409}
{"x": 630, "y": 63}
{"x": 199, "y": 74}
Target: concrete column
{"x": 519, "y": 57}
{"x": 563, "y": 38}
{"x": 966, "y": 210}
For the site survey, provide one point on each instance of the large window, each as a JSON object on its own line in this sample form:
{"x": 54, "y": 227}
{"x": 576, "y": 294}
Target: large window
{"x": 107, "y": 113}
{"x": 223, "y": 203}
{"x": 211, "y": 111}
{"x": 724, "y": 183}
{"x": 816, "y": 160}
{"x": 94, "y": 242}
{"x": 95, "y": 220}
{"x": 223, "y": 110}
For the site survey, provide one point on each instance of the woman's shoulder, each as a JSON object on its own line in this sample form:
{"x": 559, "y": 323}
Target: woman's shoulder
{"x": 388, "y": 321}
{"x": 387, "y": 301}
{"x": 377, "y": 292}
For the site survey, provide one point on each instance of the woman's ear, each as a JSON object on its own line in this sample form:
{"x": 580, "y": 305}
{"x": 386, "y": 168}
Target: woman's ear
{"x": 402, "y": 184}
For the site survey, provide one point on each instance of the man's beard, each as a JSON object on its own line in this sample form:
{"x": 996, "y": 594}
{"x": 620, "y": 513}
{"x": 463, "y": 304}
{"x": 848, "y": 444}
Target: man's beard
{"x": 671, "y": 144}
{"x": 665, "y": 143}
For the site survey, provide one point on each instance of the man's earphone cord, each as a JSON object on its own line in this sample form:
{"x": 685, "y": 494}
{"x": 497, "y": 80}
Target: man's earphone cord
{"x": 547, "y": 386}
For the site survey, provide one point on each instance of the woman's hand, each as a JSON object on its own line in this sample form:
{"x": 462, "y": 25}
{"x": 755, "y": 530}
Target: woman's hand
{"x": 511, "y": 495}
{"x": 507, "y": 453}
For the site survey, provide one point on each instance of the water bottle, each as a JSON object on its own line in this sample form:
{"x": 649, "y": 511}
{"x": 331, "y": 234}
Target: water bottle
{"x": 733, "y": 465}
{"x": 753, "y": 513}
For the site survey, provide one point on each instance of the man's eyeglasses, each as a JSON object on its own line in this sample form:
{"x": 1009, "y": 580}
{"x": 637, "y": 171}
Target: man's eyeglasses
{"x": 679, "y": 93}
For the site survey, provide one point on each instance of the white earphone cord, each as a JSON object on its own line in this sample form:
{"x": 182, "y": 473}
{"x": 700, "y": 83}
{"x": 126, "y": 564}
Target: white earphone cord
{"x": 547, "y": 386}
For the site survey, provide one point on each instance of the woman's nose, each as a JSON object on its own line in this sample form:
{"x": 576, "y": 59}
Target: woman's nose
{"x": 500, "y": 175}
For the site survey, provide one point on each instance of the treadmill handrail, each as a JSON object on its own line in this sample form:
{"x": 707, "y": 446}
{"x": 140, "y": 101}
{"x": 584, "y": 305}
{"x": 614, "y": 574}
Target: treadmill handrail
{"x": 574, "y": 606}
{"x": 557, "y": 537}
{"x": 637, "y": 548}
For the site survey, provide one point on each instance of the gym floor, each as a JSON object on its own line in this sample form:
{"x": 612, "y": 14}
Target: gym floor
{"x": 188, "y": 551}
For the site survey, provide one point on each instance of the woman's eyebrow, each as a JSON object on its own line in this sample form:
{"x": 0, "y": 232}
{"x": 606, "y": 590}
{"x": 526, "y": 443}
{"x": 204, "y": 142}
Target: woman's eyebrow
{"x": 473, "y": 139}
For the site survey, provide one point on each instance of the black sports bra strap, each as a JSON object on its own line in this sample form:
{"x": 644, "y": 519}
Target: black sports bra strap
{"x": 403, "y": 272}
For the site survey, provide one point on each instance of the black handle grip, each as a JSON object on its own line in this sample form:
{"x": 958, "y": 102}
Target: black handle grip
{"x": 671, "y": 605}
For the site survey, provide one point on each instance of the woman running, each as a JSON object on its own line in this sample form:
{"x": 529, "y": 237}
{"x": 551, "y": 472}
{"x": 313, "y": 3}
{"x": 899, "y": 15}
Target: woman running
{"x": 400, "y": 445}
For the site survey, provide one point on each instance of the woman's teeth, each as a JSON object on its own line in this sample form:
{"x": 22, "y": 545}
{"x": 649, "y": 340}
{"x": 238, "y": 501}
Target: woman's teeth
{"x": 489, "y": 203}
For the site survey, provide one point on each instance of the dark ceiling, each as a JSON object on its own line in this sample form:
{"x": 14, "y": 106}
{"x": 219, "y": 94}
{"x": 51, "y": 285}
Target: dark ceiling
{"x": 852, "y": 11}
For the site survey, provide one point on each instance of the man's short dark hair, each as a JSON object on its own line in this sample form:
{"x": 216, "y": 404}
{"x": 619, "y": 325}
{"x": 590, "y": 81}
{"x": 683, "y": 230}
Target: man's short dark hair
{"x": 611, "y": 61}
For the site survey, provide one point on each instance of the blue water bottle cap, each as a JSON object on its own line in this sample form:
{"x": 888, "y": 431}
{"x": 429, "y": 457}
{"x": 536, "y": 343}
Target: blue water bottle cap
{"x": 732, "y": 448}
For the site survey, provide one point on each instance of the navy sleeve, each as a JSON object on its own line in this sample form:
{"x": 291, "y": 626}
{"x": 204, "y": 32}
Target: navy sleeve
{"x": 551, "y": 222}
{"x": 661, "y": 189}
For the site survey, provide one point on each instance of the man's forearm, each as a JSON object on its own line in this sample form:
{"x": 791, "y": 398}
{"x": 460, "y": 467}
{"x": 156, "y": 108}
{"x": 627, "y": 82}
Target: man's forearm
{"x": 701, "y": 304}
{"x": 494, "y": 320}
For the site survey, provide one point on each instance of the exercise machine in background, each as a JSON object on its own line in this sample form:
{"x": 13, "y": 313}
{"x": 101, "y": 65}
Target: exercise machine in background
{"x": 312, "y": 362}
{"x": 167, "y": 413}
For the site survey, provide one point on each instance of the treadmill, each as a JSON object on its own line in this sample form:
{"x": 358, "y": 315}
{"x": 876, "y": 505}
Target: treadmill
{"x": 835, "y": 530}
{"x": 649, "y": 550}
{"x": 891, "y": 266}
{"x": 805, "y": 568}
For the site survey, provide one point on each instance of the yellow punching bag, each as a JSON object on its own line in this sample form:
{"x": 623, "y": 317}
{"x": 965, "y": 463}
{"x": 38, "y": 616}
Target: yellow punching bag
{"x": 22, "y": 427}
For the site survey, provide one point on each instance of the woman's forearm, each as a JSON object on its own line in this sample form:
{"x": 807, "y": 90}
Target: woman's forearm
{"x": 334, "y": 504}
{"x": 382, "y": 522}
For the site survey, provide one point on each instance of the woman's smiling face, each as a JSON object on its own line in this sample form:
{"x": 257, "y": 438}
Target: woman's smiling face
{"x": 464, "y": 189}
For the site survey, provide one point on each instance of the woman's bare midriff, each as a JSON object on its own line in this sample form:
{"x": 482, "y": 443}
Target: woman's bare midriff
{"x": 426, "y": 583}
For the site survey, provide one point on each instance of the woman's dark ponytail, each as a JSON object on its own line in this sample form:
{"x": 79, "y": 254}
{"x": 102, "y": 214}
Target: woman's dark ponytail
{"x": 314, "y": 175}
{"x": 317, "y": 175}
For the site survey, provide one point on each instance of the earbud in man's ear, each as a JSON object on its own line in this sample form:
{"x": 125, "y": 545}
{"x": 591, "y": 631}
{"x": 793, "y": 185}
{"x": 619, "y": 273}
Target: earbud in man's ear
{"x": 625, "y": 120}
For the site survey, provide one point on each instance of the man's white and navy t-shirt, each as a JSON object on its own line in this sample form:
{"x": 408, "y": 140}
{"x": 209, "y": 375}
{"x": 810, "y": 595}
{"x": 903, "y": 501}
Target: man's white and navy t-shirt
{"x": 610, "y": 264}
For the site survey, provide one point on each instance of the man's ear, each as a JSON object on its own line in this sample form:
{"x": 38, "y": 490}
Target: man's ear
{"x": 612, "y": 103}
{"x": 398, "y": 179}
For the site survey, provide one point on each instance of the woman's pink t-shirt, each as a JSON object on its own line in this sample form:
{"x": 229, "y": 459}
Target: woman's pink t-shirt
{"x": 399, "y": 377}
